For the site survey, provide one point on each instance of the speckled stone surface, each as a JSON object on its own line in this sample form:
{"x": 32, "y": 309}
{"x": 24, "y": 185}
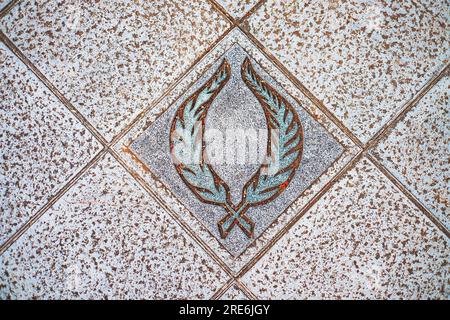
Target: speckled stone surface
{"x": 42, "y": 145}
{"x": 363, "y": 59}
{"x": 234, "y": 293}
{"x": 236, "y": 108}
{"x": 112, "y": 59}
{"x": 127, "y": 227}
{"x": 416, "y": 151}
{"x": 237, "y": 8}
{"x": 107, "y": 238}
{"x": 363, "y": 239}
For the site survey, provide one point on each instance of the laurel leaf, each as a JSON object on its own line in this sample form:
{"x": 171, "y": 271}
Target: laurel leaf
{"x": 187, "y": 145}
{"x": 285, "y": 144}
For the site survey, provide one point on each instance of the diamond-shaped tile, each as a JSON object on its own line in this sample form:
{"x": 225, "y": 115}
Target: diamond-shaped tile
{"x": 363, "y": 239}
{"x": 237, "y": 8}
{"x": 147, "y": 149}
{"x": 42, "y": 145}
{"x": 364, "y": 59}
{"x": 416, "y": 150}
{"x": 112, "y": 59}
{"x": 236, "y": 109}
{"x": 107, "y": 238}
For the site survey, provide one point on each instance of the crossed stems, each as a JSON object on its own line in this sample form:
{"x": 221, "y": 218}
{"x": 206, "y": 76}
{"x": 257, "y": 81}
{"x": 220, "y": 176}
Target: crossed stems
{"x": 236, "y": 215}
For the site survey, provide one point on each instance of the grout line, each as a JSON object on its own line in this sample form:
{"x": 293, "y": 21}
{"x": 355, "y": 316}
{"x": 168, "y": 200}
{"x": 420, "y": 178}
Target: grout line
{"x": 234, "y": 282}
{"x": 235, "y": 22}
{"x": 180, "y": 222}
{"x": 169, "y": 89}
{"x": 319, "y": 104}
{"x": 300, "y": 214}
{"x": 385, "y": 129}
{"x": 51, "y": 202}
{"x": 408, "y": 194}
{"x": 52, "y": 88}
{"x": 8, "y": 8}
{"x": 223, "y": 11}
{"x": 246, "y": 290}
{"x": 239, "y": 24}
{"x": 251, "y": 11}
{"x": 219, "y": 293}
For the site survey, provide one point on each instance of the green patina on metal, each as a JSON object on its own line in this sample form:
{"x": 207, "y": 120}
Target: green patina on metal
{"x": 284, "y": 149}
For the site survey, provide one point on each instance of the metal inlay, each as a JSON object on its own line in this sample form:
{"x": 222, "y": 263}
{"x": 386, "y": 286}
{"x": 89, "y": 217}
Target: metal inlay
{"x": 236, "y": 149}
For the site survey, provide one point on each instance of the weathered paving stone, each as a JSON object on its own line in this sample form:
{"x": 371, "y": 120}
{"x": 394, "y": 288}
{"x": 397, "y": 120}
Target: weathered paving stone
{"x": 107, "y": 239}
{"x": 42, "y": 144}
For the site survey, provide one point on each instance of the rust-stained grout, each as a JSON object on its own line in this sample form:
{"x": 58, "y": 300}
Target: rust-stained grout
{"x": 408, "y": 194}
{"x": 53, "y": 88}
{"x": 299, "y": 215}
{"x": 169, "y": 210}
{"x": 230, "y": 18}
{"x": 225, "y": 14}
{"x": 170, "y": 88}
{"x": 8, "y": 8}
{"x": 230, "y": 283}
{"x": 235, "y": 23}
{"x": 395, "y": 119}
{"x": 219, "y": 293}
{"x": 246, "y": 290}
{"x": 24, "y": 227}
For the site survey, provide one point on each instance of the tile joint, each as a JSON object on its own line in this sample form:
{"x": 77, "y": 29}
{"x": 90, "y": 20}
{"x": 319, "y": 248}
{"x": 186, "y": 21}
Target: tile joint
{"x": 107, "y": 146}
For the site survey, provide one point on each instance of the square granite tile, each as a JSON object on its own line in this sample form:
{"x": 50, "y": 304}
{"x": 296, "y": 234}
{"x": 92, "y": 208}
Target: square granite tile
{"x": 235, "y": 108}
{"x": 363, "y": 239}
{"x": 42, "y": 145}
{"x": 416, "y": 150}
{"x": 112, "y": 59}
{"x": 363, "y": 59}
{"x": 237, "y": 9}
{"x": 107, "y": 239}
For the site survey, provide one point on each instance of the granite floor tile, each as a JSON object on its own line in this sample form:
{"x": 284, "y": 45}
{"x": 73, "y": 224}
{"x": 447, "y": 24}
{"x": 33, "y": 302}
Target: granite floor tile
{"x": 237, "y": 9}
{"x": 363, "y": 239}
{"x": 107, "y": 238}
{"x": 112, "y": 59}
{"x": 417, "y": 150}
{"x": 42, "y": 145}
{"x": 236, "y": 117}
{"x": 363, "y": 59}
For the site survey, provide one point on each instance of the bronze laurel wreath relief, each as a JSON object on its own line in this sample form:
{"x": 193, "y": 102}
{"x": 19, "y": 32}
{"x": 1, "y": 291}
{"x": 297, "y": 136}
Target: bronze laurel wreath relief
{"x": 284, "y": 149}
